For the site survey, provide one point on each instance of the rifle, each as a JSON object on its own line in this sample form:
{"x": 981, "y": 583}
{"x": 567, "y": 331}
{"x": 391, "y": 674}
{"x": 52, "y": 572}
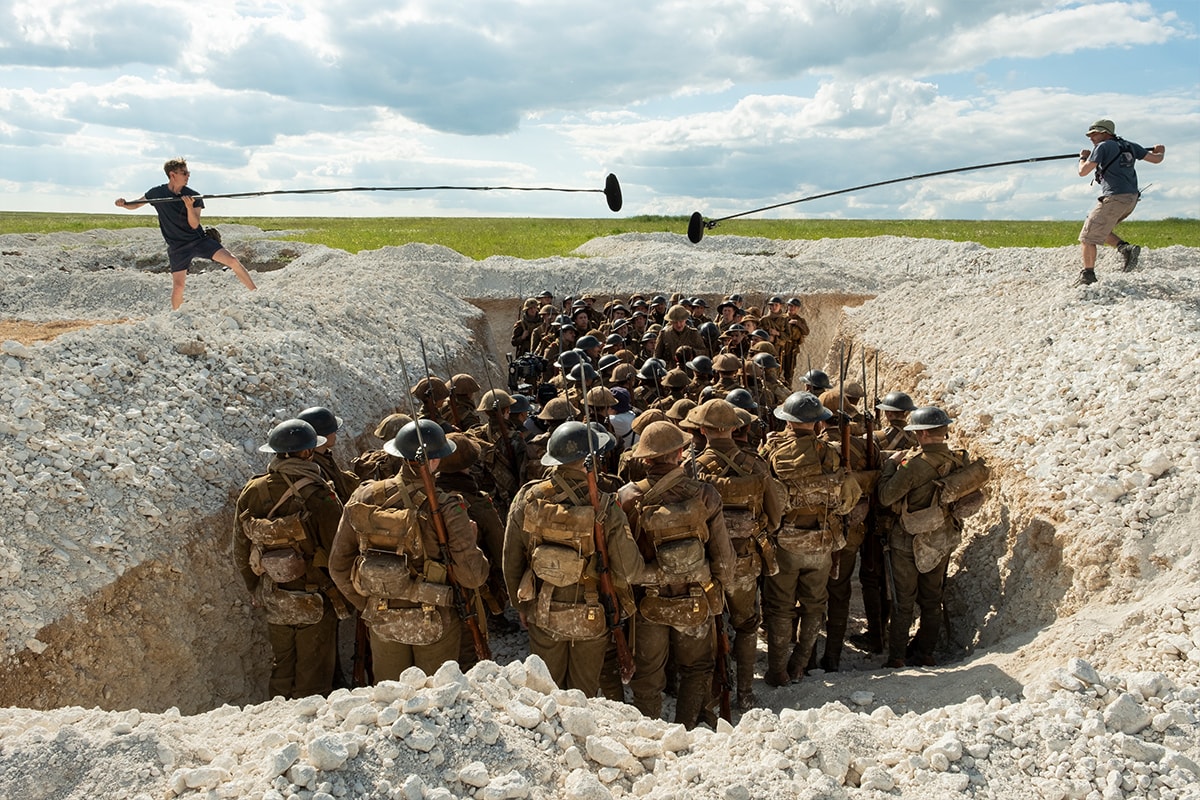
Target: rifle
{"x": 462, "y": 602}
{"x": 608, "y": 592}
{"x": 362, "y": 672}
{"x": 453, "y": 385}
{"x": 500, "y": 423}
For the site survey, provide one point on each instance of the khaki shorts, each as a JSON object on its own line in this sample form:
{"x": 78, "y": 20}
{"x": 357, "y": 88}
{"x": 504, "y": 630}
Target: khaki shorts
{"x": 1110, "y": 210}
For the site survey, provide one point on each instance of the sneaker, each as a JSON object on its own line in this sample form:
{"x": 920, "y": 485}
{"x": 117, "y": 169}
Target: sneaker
{"x": 1130, "y": 253}
{"x": 1086, "y": 276}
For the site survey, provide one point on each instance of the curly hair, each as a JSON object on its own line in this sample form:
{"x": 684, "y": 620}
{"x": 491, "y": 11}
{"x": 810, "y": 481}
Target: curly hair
{"x": 175, "y": 165}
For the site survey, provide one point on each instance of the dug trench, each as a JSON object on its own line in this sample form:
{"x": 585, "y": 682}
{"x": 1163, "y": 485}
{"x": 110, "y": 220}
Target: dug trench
{"x": 180, "y": 631}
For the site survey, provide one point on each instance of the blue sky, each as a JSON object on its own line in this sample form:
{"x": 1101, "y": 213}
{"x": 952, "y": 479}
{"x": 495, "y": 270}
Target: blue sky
{"x": 717, "y": 106}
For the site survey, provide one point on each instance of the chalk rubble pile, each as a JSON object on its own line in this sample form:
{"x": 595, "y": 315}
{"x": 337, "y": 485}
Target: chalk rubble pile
{"x": 501, "y": 732}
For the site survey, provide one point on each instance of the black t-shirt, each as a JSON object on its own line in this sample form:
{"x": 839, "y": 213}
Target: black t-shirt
{"x": 173, "y": 218}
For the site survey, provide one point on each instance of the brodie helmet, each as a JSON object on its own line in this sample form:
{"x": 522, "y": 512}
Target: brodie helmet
{"x": 292, "y": 436}
{"x": 413, "y": 444}
{"x": 741, "y": 398}
{"x": 802, "y": 407}
{"x": 817, "y": 378}
{"x": 322, "y": 419}
{"x": 570, "y": 443}
{"x": 896, "y": 401}
{"x": 927, "y": 417}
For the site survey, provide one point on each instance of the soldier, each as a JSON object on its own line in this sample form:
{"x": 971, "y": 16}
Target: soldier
{"x": 742, "y": 399}
{"x": 810, "y": 471}
{"x": 388, "y": 560}
{"x": 649, "y": 389}
{"x": 432, "y": 394}
{"x": 327, "y": 425}
{"x": 459, "y": 407}
{"x": 376, "y": 465}
{"x": 727, "y": 368}
{"x": 525, "y": 329}
{"x": 658, "y": 309}
{"x": 550, "y": 560}
{"x": 816, "y": 381}
{"x": 872, "y": 576}
{"x": 556, "y": 411}
{"x": 790, "y": 343}
{"x": 677, "y": 521}
{"x": 753, "y": 507}
{"x": 621, "y": 418}
{"x": 284, "y": 525}
{"x": 678, "y": 334}
{"x": 853, "y": 531}
{"x": 702, "y": 375}
{"x": 675, "y": 382}
{"x": 917, "y": 487}
{"x": 735, "y": 340}
{"x": 454, "y": 476}
{"x": 699, "y": 311}
{"x": 501, "y": 465}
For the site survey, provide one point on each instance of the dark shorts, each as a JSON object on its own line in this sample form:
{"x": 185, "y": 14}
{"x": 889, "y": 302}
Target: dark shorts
{"x": 181, "y": 257}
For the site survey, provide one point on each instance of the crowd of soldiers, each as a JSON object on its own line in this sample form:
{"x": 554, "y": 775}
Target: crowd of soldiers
{"x": 648, "y": 494}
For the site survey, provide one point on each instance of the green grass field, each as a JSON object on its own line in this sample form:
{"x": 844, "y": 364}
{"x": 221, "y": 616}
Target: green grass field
{"x": 479, "y": 237}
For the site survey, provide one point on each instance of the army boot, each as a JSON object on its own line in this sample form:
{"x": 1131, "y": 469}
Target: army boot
{"x": 779, "y": 645}
{"x": 744, "y": 652}
{"x": 806, "y": 640}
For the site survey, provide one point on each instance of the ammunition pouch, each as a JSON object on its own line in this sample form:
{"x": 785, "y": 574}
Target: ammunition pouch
{"x": 805, "y": 541}
{"x": 682, "y": 557}
{"x": 926, "y": 520}
{"x": 746, "y": 571}
{"x": 387, "y": 575}
{"x": 276, "y": 546}
{"x": 282, "y": 566}
{"x": 415, "y": 625}
{"x": 284, "y": 607}
{"x": 818, "y": 491}
{"x": 567, "y": 621}
{"x": 682, "y": 612}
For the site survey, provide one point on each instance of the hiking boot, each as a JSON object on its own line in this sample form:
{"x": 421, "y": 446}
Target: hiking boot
{"x": 1130, "y": 253}
{"x": 777, "y": 678}
{"x": 1086, "y": 276}
{"x": 745, "y": 700}
{"x": 867, "y": 642}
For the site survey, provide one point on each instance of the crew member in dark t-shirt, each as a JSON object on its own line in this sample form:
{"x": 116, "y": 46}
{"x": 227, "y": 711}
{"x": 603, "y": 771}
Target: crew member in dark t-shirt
{"x": 179, "y": 221}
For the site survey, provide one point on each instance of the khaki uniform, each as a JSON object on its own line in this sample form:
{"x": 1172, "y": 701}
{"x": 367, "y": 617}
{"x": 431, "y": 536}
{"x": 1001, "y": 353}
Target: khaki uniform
{"x": 375, "y": 465}
{"x": 301, "y": 621}
{"x": 775, "y": 323}
{"x": 407, "y": 603}
{"x": 500, "y": 470}
{"x": 676, "y": 618}
{"x": 794, "y": 334}
{"x": 753, "y": 507}
{"x": 816, "y": 491}
{"x": 670, "y": 340}
{"x": 919, "y": 562}
{"x": 344, "y": 483}
{"x": 462, "y": 415}
{"x": 525, "y": 332}
{"x": 567, "y": 624}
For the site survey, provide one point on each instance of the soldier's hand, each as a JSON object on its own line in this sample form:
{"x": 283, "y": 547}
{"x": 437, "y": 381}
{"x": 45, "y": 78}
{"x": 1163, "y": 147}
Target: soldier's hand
{"x": 1084, "y": 153}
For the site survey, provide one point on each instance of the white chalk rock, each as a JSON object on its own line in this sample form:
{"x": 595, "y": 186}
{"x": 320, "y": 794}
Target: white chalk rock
{"x": 510, "y": 786}
{"x": 537, "y": 675}
{"x": 583, "y": 785}
{"x": 1083, "y": 671}
{"x": 1126, "y": 715}
{"x": 607, "y": 751}
{"x": 327, "y": 752}
{"x": 877, "y": 779}
{"x": 579, "y": 722}
{"x": 281, "y": 761}
{"x": 675, "y": 739}
{"x": 1138, "y": 749}
{"x": 1154, "y": 463}
{"x": 209, "y": 777}
{"x": 12, "y": 347}
{"x": 524, "y": 715}
{"x": 862, "y": 698}
{"x": 475, "y": 774}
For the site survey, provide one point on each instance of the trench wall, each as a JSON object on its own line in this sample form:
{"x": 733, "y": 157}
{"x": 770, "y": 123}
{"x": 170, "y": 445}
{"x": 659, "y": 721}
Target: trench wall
{"x": 180, "y": 632}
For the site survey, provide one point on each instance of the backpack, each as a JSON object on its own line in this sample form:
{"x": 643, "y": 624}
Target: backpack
{"x": 278, "y": 543}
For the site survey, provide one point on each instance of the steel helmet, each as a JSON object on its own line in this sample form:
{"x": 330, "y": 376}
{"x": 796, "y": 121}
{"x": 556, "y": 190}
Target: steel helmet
{"x": 417, "y": 444}
{"x": 774, "y": 300}
{"x": 740, "y": 398}
{"x": 569, "y": 359}
{"x": 494, "y": 400}
{"x": 817, "y": 378}
{"x": 766, "y": 361}
{"x": 387, "y": 428}
{"x": 802, "y": 407}
{"x": 677, "y": 313}
{"x": 434, "y": 389}
{"x": 701, "y": 365}
{"x": 676, "y": 379}
{"x": 927, "y": 417}
{"x": 727, "y": 362}
{"x": 585, "y": 373}
{"x": 292, "y": 436}
{"x": 570, "y": 443}
{"x": 587, "y": 342}
{"x": 462, "y": 383}
{"x": 557, "y": 408}
{"x": 322, "y": 420}
{"x": 896, "y": 401}
{"x": 659, "y": 439}
{"x": 607, "y": 362}
{"x": 718, "y": 414}
{"x": 652, "y": 369}
{"x": 614, "y": 340}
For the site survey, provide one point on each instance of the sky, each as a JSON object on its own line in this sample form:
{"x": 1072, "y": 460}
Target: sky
{"x": 716, "y": 106}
